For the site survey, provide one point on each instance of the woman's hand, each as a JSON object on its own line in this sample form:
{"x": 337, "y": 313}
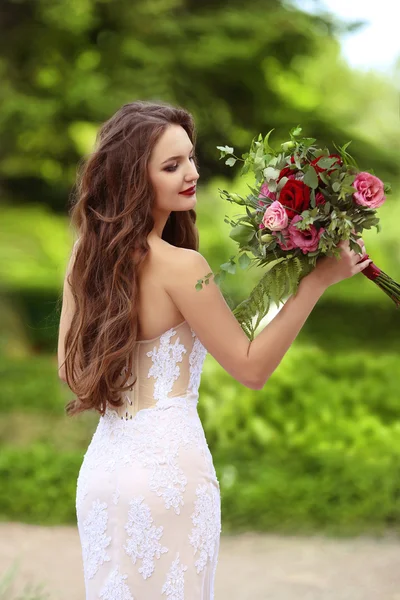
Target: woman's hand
{"x": 330, "y": 270}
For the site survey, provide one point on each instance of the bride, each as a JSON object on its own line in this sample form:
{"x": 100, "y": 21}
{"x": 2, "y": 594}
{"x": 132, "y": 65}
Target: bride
{"x": 133, "y": 336}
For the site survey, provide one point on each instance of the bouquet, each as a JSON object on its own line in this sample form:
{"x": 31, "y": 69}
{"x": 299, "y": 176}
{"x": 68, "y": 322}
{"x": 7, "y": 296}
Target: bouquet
{"x": 305, "y": 200}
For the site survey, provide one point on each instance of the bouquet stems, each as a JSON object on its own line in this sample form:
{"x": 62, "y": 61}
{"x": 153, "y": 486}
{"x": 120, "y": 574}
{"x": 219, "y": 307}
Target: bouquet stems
{"x": 383, "y": 281}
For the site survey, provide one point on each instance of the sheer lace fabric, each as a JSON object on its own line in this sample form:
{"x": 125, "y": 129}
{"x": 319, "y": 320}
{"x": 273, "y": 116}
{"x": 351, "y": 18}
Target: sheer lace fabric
{"x": 148, "y": 499}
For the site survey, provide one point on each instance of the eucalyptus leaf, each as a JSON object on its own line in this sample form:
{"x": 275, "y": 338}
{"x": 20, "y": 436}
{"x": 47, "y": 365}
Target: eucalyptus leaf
{"x": 296, "y": 131}
{"x": 308, "y": 142}
{"x": 327, "y": 163}
{"x": 244, "y": 261}
{"x": 229, "y": 267}
{"x": 311, "y": 178}
{"x": 271, "y": 173}
{"x": 225, "y": 150}
{"x": 241, "y": 234}
{"x": 217, "y": 279}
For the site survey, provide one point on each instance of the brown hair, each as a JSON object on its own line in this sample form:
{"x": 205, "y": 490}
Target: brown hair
{"x": 111, "y": 212}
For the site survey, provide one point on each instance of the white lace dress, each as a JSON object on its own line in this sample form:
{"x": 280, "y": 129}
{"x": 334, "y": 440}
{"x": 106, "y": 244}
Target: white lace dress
{"x": 148, "y": 499}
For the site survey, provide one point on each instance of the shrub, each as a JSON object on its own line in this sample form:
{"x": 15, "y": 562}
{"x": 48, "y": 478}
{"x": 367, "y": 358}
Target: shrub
{"x": 318, "y": 448}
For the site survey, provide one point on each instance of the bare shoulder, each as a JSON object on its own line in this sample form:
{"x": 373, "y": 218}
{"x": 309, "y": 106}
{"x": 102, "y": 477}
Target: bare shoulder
{"x": 185, "y": 261}
{"x": 207, "y": 312}
{"x": 176, "y": 262}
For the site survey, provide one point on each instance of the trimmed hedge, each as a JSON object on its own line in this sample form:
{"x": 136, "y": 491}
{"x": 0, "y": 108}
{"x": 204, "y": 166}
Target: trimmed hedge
{"x": 32, "y": 385}
{"x": 38, "y": 484}
{"x": 317, "y": 449}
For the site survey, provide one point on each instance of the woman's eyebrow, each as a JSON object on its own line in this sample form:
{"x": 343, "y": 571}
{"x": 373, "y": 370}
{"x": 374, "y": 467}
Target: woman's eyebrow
{"x": 173, "y": 158}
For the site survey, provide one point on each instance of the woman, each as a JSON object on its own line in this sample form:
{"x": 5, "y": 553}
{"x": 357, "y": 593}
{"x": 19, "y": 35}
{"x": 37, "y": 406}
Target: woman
{"x": 133, "y": 336}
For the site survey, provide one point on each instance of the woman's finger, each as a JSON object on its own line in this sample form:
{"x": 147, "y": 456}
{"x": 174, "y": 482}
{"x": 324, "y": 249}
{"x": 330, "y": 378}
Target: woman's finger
{"x": 363, "y": 264}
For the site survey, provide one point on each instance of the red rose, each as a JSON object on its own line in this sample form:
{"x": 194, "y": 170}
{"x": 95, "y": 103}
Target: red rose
{"x": 319, "y": 199}
{"x": 319, "y": 169}
{"x": 295, "y": 197}
{"x": 287, "y": 171}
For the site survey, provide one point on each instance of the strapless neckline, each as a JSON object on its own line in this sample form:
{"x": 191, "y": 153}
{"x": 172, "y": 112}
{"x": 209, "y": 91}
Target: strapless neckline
{"x": 161, "y": 334}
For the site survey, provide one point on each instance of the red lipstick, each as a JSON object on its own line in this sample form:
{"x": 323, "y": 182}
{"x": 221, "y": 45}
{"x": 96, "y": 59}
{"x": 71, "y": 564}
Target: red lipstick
{"x": 189, "y": 191}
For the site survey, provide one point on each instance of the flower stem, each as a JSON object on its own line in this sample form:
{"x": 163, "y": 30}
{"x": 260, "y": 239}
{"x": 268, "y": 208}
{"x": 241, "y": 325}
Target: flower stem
{"x": 390, "y": 287}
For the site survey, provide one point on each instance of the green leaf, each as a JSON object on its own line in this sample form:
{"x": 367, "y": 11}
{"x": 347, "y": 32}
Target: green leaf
{"x": 271, "y": 173}
{"x": 199, "y": 286}
{"x": 311, "y": 178}
{"x": 245, "y": 169}
{"x": 336, "y": 186}
{"x": 344, "y": 148}
{"x": 244, "y": 261}
{"x": 323, "y": 177}
{"x": 355, "y": 246}
{"x": 217, "y": 279}
{"x": 280, "y": 279}
{"x": 237, "y": 199}
{"x": 229, "y": 267}
{"x": 327, "y": 207}
{"x": 308, "y": 141}
{"x": 327, "y": 163}
{"x": 296, "y": 131}
{"x": 242, "y": 234}
{"x": 267, "y": 147}
{"x": 225, "y": 150}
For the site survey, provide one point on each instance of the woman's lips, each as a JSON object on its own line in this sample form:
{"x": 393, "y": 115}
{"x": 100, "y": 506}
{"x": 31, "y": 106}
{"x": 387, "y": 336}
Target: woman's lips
{"x": 189, "y": 192}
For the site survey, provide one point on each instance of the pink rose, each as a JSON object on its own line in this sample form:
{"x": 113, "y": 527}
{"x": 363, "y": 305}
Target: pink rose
{"x": 275, "y": 217}
{"x": 287, "y": 244}
{"x": 370, "y": 190}
{"x": 265, "y": 193}
{"x": 306, "y": 240}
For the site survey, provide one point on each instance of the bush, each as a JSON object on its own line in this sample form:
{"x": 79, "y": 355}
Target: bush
{"x": 32, "y": 384}
{"x": 314, "y": 399}
{"x": 38, "y": 484}
{"x": 317, "y": 449}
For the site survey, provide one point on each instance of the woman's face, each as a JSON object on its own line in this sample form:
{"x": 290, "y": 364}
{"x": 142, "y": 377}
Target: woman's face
{"x": 172, "y": 170}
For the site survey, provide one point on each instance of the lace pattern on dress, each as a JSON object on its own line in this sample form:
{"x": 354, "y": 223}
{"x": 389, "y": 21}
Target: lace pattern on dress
{"x": 207, "y": 524}
{"x": 144, "y": 537}
{"x": 115, "y": 587}
{"x": 94, "y": 538}
{"x": 165, "y": 368}
{"x": 174, "y": 586}
{"x": 196, "y": 360}
{"x": 118, "y": 442}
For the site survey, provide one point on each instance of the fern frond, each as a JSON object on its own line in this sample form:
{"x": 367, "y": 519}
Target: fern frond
{"x": 281, "y": 280}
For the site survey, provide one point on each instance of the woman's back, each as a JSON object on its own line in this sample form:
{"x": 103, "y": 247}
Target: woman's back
{"x": 156, "y": 310}
{"x": 167, "y": 366}
{"x": 148, "y": 499}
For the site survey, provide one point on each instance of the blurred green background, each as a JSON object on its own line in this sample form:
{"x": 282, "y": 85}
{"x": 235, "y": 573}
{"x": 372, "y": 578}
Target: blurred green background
{"x": 319, "y": 447}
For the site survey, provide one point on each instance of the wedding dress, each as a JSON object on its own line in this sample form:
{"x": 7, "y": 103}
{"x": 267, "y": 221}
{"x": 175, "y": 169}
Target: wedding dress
{"x": 148, "y": 499}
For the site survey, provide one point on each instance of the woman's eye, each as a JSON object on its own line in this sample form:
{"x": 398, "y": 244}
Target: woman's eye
{"x": 174, "y": 167}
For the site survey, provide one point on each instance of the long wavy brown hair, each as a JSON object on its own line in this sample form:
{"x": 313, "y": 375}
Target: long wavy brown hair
{"x": 111, "y": 214}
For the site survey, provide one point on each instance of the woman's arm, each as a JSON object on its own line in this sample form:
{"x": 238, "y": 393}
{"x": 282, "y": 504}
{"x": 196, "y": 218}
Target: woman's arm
{"x": 206, "y": 311}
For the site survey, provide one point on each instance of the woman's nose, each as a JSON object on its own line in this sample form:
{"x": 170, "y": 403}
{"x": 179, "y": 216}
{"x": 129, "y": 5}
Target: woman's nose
{"x": 194, "y": 174}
